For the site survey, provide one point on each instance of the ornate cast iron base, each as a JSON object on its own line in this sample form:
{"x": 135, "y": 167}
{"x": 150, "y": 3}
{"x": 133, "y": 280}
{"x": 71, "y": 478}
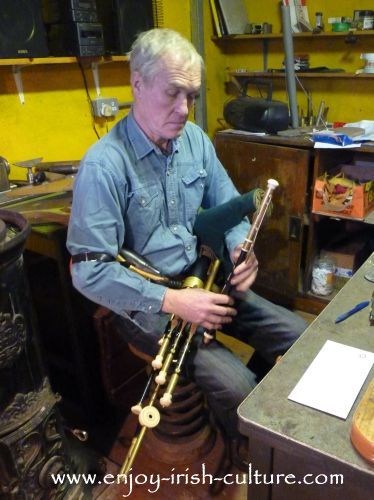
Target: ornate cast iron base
{"x": 32, "y": 441}
{"x": 34, "y": 450}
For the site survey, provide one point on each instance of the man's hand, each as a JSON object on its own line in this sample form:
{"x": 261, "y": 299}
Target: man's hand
{"x": 208, "y": 309}
{"x": 245, "y": 274}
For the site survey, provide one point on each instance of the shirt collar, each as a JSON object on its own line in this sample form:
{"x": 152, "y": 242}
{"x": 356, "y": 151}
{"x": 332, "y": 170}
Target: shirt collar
{"x": 140, "y": 142}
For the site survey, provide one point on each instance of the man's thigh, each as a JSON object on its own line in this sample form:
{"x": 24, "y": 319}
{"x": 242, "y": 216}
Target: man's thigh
{"x": 220, "y": 374}
{"x": 269, "y": 328}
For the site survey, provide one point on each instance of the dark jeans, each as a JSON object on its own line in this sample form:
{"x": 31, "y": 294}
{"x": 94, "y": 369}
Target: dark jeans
{"x": 270, "y": 329}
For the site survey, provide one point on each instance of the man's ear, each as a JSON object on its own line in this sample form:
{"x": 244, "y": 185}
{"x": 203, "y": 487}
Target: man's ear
{"x": 136, "y": 83}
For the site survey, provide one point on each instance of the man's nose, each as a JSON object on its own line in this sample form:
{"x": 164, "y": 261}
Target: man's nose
{"x": 183, "y": 105}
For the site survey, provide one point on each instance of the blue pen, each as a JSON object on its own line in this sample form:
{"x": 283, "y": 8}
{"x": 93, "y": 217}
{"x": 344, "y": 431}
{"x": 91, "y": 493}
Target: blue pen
{"x": 356, "y": 308}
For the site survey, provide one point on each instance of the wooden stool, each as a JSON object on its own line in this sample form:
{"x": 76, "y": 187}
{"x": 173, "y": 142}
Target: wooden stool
{"x": 123, "y": 374}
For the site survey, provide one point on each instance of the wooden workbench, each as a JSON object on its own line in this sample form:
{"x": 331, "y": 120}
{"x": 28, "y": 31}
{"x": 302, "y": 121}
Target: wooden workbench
{"x": 287, "y": 437}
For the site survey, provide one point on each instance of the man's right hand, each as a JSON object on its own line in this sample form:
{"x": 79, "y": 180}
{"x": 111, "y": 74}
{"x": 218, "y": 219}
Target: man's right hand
{"x": 195, "y": 305}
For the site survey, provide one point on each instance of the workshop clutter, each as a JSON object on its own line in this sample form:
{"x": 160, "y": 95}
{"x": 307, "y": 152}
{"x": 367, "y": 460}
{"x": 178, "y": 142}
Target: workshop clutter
{"x": 347, "y": 257}
{"x": 369, "y": 62}
{"x": 349, "y": 193}
{"x": 323, "y": 276}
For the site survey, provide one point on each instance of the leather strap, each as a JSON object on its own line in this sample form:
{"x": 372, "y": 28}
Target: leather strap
{"x": 92, "y": 256}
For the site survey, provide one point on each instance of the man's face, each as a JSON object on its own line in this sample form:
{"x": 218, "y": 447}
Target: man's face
{"x": 162, "y": 104}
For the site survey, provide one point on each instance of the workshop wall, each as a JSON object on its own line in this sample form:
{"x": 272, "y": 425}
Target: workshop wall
{"x": 347, "y": 99}
{"x": 55, "y": 121}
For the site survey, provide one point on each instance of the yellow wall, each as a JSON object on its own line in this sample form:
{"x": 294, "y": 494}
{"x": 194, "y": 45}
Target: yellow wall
{"x": 55, "y": 121}
{"x": 348, "y": 100}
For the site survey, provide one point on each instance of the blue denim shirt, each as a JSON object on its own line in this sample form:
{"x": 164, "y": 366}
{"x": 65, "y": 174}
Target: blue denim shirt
{"x": 127, "y": 192}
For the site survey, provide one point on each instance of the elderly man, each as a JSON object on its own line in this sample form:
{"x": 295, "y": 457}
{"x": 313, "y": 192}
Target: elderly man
{"x": 141, "y": 187}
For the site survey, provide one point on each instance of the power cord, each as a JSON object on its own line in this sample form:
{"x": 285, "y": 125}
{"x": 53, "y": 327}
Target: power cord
{"x": 88, "y": 98}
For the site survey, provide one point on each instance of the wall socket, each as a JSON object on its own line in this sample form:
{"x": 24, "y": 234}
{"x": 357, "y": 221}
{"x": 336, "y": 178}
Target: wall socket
{"x": 105, "y": 107}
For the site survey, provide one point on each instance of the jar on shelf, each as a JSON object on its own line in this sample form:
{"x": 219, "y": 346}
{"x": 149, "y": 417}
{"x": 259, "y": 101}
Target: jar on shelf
{"x": 323, "y": 276}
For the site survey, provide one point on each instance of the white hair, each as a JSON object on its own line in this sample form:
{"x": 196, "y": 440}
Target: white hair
{"x": 151, "y": 47}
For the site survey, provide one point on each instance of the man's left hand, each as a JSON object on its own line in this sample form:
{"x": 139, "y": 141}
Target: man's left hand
{"x": 245, "y": 274}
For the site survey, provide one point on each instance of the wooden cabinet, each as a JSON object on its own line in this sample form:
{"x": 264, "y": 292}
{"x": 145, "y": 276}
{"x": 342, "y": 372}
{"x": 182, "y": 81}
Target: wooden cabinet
{"x": 293, "y": 237}
{"x": 279, "y": 247}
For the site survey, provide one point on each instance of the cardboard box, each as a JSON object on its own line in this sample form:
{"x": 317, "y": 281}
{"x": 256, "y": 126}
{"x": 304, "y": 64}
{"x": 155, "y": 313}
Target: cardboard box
{"x": 344, "y": 262}
{"x": 355, "y": 203}
{"x": 347, "y": 259}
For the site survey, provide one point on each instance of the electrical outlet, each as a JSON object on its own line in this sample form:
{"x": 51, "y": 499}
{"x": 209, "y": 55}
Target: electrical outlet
{"x": 105, "y": 106}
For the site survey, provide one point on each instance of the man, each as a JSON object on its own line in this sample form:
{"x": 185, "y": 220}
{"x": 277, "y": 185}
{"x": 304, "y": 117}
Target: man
{"x": 141, "y": 187}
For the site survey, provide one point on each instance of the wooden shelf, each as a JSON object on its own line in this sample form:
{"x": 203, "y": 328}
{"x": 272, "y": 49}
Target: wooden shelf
{"x": 310, "y": 35}
{"x": 368, "y": 219}
{"x": 61, "y": 60}
{"x": 19, "y": 64}
{"x": 280, "y": 74}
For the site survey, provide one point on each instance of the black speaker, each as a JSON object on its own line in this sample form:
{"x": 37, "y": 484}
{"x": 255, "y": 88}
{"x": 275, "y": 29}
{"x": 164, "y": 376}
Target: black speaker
{"x": 22, "y": 32}
{"x": 256, "y": 115}
{"x": 122, "y": 21}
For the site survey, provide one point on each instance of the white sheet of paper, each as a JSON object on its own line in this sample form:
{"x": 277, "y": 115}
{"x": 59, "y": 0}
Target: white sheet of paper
{"x": 333, "y": 380}
{"x": 325, "y": 145}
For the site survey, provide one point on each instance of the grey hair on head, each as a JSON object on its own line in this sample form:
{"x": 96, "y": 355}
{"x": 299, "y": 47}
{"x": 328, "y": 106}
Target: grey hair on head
{"x": 151, "y": 47}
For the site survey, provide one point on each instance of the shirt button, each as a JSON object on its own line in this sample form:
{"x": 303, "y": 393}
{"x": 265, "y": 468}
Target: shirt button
{"x": 149, "y": 308}
{"x": 175, "y": 229}
{"x": 188, "y": 248}
{"x": 142, "y": 201}
{"x": 172, "y": 202}
{"x": 201, "y": 172}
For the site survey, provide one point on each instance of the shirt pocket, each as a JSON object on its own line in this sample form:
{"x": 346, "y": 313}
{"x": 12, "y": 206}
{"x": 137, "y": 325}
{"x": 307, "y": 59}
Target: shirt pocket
{"x": 143, "y": 211}
{"x": 192, "y": 191}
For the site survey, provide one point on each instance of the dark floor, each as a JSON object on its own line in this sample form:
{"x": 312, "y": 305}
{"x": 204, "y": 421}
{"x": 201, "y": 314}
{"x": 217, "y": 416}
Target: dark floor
{"x": 151, "y": 464}
{"x": 192, "y": 468}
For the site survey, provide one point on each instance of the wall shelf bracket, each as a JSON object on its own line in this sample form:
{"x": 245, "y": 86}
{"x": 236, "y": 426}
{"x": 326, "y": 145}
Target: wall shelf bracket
{"x": 95, "y": 74}
{"x": 17, "y": 75}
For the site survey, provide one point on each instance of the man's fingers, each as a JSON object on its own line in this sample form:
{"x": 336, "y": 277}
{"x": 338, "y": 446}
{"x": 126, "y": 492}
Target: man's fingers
{"x": 219, "y": 320}
{"x": 244, "y": 275}
{"x": 225, "y": 311}
{"x": 221, "y": 299}
{"x": 246, "y": 268}
{"x": 212, "y": 326}
{"x": 245, "y": 285}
